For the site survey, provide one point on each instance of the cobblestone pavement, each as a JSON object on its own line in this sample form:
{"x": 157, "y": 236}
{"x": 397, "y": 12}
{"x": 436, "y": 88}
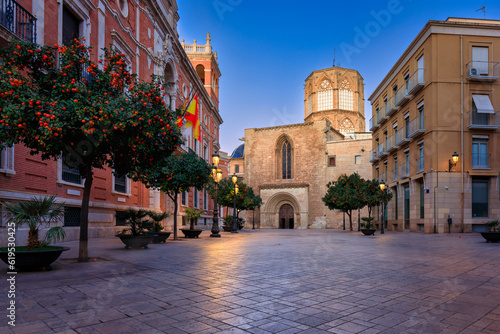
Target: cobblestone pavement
{"x": 270, "y": 281}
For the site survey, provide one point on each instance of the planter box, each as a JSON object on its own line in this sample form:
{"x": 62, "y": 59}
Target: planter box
{"x": 191, "y": 233}
{"x": 491, "y": 236}
{"x": 161, "y": 237}
{"x": 35, "y": 260}
{"x": 136, "y": 241}
{"x": 227, "y": 228}
{"x": 368, "y": 231}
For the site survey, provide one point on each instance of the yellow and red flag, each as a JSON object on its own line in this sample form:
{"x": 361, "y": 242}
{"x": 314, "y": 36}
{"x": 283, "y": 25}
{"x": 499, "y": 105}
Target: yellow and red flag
{"x": 192, "y": 117}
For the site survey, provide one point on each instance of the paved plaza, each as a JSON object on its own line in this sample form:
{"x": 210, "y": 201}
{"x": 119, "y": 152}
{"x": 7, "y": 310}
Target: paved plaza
{"x": 269, "y": 281}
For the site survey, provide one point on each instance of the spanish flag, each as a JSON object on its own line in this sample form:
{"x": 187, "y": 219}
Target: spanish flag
{"x": 193, "y": 117}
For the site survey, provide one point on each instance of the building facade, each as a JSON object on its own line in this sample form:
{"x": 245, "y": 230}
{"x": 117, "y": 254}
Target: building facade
{"x": 437, "y": 106}
{"x": 289, "y": 166}
{"x": 146, "y": 32}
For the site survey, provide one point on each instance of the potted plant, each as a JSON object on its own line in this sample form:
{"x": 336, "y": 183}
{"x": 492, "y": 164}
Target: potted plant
{"x": 241, "y": 223}
{"x": 228, "y": 223}
{"x": 156, "y": 227}
{"x": 192, "y": 215}
{"x": 136, "y": 236}
{"x": 494, "y": 234}
{"x": 367, "y": 226}
{"x": 36, "y": 214}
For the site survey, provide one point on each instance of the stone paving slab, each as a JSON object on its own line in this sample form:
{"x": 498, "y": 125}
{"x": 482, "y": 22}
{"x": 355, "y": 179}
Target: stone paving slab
{"x": 269, "y": 281}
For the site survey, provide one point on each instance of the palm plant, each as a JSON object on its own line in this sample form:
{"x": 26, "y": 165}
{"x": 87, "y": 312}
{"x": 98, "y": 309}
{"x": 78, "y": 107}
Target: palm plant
{"x": 137, "y": 221}
{"x": 38, "y": 213}
{"x": 192, "y": 215}
{"x": 156, "y": 225}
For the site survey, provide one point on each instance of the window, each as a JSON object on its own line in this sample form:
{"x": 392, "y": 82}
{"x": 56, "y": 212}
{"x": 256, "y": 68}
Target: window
{"x": 420, "y": 160}
{"x": 71, "y": 26}
{"x": 420, "y": 107}
{"x": 346, "y": 126}
{"x": 480, "y": 153}
{"x": 480, "y": 197}
{"x": 332, "y": 161}
{"x": 480, "y": 59}
{"x": 196, "y": 198}
{"x": 325, "y": 96}
{"x": 196, "y": 147}
{"x": 395, "y": 203}
{"x": 205, "y": 200}
{"x": 7, "y": 160}
{"x": 71, "y": 174}
{"x": 407, "y": 170}
{"x": 184, "y": 198}
{"x": 407, "y": 125}
{"x": 357, "y": 159}
{"x": 205, "y": 221}
{"x": 120, "y": 184}
{"x": 236, "y": 168}
{"x": 120, "y": 218}
{"x": 395, "y": 176}
{"x": 286, "y": 156}
{"x": 309, "y": 105}
{"x": 481, "y": 107}
{"x": 71, "y": 216}
{"x": 422, "y": 192}
{"x": 205, "y": 152}
{"x": 407, "y": 81}
{"x": 346, "y": 99}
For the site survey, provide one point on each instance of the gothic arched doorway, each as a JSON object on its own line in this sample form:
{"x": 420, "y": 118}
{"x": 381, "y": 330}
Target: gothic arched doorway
{"x": 286, "y": 217}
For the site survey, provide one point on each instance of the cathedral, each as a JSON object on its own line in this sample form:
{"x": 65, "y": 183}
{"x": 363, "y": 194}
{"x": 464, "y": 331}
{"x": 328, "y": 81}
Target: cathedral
{"x": 289, "y": 166}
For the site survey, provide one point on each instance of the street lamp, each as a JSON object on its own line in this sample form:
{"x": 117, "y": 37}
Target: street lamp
{"x": 359, "y": 219}
{"x": 453, "y": 162}
{"x": 216, "y": 176}
{"x": 234, "y": 178}
{"x": 382, "y": 187}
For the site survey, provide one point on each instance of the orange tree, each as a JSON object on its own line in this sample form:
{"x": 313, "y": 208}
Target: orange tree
{"x": 59, "y": 103}
{"x": 176, "y": 174}
{"x": 346, "y": 194}
{"x": 245, "y": 198}
{"x": 374, "y": 196}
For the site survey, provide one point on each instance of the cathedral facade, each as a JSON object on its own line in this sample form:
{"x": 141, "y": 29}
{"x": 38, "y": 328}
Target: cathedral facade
{"x": 290, "y": 166}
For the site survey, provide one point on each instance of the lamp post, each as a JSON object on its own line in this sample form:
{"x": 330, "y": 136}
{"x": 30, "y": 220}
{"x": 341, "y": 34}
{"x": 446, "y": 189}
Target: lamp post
{"x": 217, "y": 176}
{"x": 382, "y": 187}
{"x": 234, "y": 178}
{"x": 453, "y": 162}
{"x": 343, "y": 228}
{"x": 253, "y": 219}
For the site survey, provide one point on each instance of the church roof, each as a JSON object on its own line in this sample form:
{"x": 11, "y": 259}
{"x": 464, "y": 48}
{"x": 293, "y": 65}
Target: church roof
{"x": 239, "y": 152}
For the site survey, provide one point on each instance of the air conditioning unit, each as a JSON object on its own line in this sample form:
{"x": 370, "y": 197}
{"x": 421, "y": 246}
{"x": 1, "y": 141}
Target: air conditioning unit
{"x": 473, "y": 72}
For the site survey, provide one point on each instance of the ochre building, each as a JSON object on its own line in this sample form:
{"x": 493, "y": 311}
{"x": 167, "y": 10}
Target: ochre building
{"x": 289, "y": 166}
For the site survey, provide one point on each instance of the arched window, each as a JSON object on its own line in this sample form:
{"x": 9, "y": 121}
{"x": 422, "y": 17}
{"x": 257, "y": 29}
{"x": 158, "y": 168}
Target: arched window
{"x": 325, "y": 96}
{"x": 346, "y": 97}
{"x": 286, "y": 158}
{"x": 346, "y": 126}
{"x": 200, "y": 69}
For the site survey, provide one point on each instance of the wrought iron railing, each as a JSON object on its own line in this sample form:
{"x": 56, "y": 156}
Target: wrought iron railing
{"x": 483, "y": 120}
{"x": 479, "y": 70}
{"x": 18, "y": 20}
{"x": 420, "y": 165}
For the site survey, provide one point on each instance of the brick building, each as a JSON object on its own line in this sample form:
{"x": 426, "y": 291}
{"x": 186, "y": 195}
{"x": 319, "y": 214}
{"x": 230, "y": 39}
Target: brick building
{"x": 289, "y": 166}
{"x": 438, "y": 102}
{"x": 146, "y": 32}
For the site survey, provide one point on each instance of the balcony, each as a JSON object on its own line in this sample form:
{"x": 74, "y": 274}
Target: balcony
{"x": 404, "y": 171}
{"x": 482, "y": 71}
{"x": 416, "y": 81}
{"x": 483, "y": 121}
{"x": 419, "y": 165}
{"x": 389, "y": 144}
{"x": 481, "y": 161}
{"x": 17, "y": 21}
{"x": 383, "y": 115}
{"x": 390, "y": 107}
{"x": 394, "y": 174}
{"x": 373, "y": 155}
{"x": 373, "y": 123}
{"x": 402, "y": 96}
{"x": 417, "y": 126}
{"x": 401, "y": 137}
{"x": 380, "y": 151}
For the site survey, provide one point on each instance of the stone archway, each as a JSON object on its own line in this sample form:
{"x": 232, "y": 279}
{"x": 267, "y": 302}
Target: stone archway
{"x": 291, "y": 202}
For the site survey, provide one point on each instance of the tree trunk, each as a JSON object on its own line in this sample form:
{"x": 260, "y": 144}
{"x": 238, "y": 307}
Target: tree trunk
{"x": 83, "y": 255}
{"x": 174, "y": 199}
{"x": 349, "y": 213}
{"x": 33, "y": 239}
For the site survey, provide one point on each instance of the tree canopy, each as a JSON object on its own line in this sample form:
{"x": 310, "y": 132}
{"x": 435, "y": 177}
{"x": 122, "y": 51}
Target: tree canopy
{"x": 59, "y": 103}
{"x": 176, "y": 174}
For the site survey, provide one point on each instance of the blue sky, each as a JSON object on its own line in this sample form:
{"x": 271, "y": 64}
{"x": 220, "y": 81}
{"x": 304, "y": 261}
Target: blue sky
{"x": 268, "y": 48}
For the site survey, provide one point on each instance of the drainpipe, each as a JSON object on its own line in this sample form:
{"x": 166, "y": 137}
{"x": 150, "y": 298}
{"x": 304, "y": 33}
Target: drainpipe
{"x": 462, "y": 131}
